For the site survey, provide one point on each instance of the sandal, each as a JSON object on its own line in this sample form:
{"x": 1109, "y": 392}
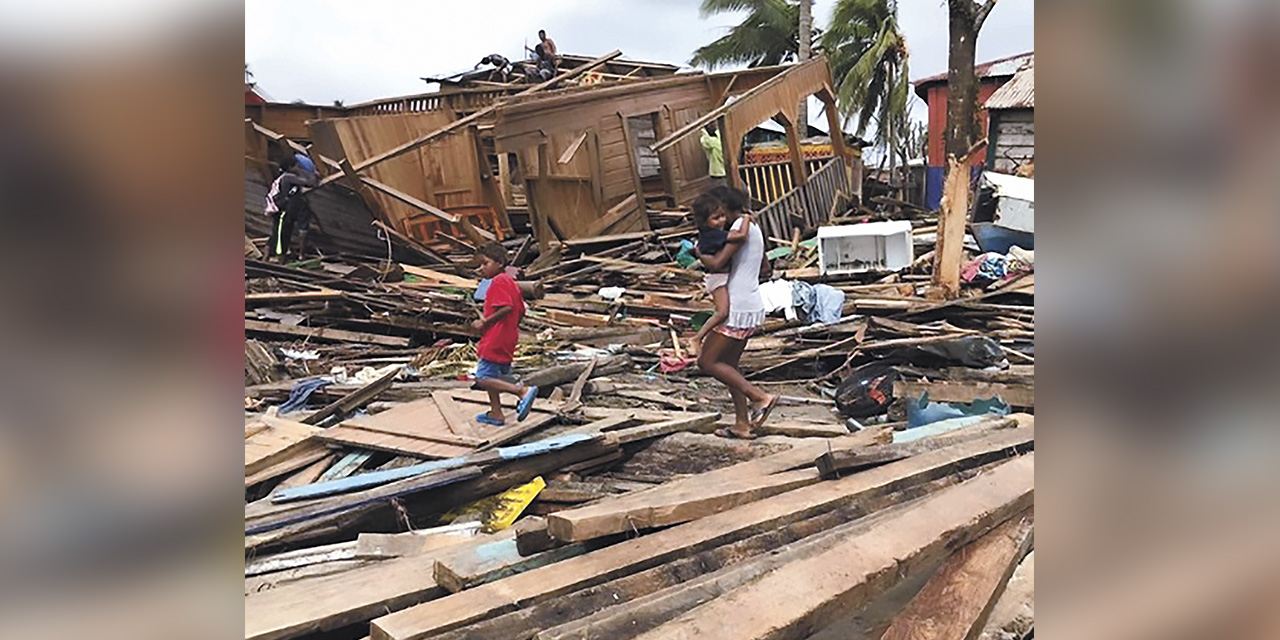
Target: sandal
{"x": 726, "y": 432}
{"x": 758, "y": 416}
{"x": 526, "y": 404}
{"x": 485, "y": 418}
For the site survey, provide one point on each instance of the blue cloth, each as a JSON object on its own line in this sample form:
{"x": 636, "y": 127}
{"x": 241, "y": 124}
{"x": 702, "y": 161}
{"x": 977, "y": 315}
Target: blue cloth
{"x": 828, "y": 304}
{"x": 482, "y": 289}
{"x": 802, "y": 297}
{"x": 300, "y": 392}
{"x": 921, "y": 412}
{"x": 486, "y": 369}
{"x": 685, "y": 257}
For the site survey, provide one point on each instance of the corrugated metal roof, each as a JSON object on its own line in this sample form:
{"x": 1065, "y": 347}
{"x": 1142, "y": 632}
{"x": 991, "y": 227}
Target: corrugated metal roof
{"x": 992, "y": 68}
{"x": 1018, "y": 93}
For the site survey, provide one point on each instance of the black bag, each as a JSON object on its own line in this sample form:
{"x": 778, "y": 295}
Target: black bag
{"x": 867, "y": 391}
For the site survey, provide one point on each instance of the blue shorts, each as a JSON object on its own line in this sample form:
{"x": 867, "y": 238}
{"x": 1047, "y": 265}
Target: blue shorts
{"x": 488, "y": 369}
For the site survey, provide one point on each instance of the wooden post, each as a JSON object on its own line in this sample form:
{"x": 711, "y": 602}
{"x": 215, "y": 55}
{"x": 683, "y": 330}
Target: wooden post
{"x": 729, "y": 146}
{"x": 799, "y": 173}
{"x": 633, "y": 160}
{"x": 504, "y": 178}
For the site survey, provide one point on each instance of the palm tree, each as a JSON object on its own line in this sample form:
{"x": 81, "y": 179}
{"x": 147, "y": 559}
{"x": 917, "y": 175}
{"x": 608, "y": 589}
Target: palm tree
{"x": 768, "y": 35}
{"x": 868, "y": 55}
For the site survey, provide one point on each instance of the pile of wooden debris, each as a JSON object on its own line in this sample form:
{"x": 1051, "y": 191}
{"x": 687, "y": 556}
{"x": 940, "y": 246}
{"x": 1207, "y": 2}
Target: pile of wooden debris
{"x": 376, "y": 505}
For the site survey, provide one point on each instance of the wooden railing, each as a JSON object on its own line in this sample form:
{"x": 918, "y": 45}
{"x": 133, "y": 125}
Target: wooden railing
{"x": 807, "y": 206}
{"x": 770, "y": 181}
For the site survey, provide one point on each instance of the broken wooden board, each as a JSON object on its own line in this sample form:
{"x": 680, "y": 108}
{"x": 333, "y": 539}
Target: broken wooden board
{"x": 440, "y": 277}
{"x": 270, "y": 440}
{"x": 629, "y": 557}
{"x": 325, "y": 333}
{"x": 965, "y": 391}
{"x": 662, "y": 506}
{"x": 1014, "y": 613}
{"x": 826, "y": 585}
{"x": 495, "y": 560}
{"x": 332, "y": 602}
{"x": 956, "y": 602}
{"x": 412, "y": 543}
{"x": 701, "y": 422}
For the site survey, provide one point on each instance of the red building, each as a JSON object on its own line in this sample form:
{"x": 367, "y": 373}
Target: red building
{"x": 933, "y": 90}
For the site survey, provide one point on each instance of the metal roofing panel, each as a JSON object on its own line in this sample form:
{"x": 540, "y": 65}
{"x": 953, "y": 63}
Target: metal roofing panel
{"x": 1018, "y": 93}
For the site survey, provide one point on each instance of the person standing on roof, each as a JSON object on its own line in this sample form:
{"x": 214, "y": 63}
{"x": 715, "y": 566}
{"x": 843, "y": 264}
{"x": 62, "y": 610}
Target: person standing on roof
{"x": 549, "y": 49}
{"x": 711, "y": 143}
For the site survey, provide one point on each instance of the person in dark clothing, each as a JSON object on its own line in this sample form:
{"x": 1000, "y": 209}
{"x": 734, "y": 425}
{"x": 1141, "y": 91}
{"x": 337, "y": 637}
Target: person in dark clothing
{"x": 287, "y": 208}
{"x": 502, "y": 66}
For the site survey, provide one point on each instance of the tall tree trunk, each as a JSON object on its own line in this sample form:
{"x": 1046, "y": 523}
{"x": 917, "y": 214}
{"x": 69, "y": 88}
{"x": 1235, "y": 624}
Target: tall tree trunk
{"x": 962, "y": 81}
{"x": 965, "y": 19}
{"x": 805, "y": 37}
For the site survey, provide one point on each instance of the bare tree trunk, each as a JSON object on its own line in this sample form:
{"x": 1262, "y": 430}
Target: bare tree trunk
{"x": 965, "y": 20}
{"x": 805, "y": 37}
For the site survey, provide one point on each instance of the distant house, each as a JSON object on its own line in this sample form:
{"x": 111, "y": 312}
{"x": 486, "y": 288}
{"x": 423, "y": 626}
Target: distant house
{"x": 933, "y": 90}
{"x": 1011, "y": 132}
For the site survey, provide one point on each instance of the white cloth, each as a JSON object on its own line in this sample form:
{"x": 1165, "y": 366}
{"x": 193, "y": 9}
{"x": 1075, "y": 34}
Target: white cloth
{"x": 714, "y": 281}
{"x": 746, "y": 308}
{"x": 776, "y": 294}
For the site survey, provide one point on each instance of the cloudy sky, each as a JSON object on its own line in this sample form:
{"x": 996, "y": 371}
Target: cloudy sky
{"x": 325, "y": 50}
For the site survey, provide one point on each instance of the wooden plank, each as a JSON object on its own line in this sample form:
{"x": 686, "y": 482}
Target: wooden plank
{"x": 380, "y": 441}
{"x": 418, "y": 419}
{"x": 692, "y": 422}
{"x": 294, "y": 296}
{"x": 269, "y": 517}
{"x": 309, "y": 473}
{"x": 1014, "y": 612}
{"x": 295, "y": 461}
{"x": 325, "y": 333}
{"x": 458, "y": 422}
{"x": 355, "y": 399}
{"x": 827, "y": 585}
{"x": 628, "y": 557}
{"x": 413, "y": 543}
{"x": 661, "y": 506}
{"x": 494, "y": 561}
{"x": 437, "y": 276}
{"x": 280, "y": 440}
{"x": 572, "y": 149}
{"x": 956, "y": 602}
{"x": 964, "y": 391}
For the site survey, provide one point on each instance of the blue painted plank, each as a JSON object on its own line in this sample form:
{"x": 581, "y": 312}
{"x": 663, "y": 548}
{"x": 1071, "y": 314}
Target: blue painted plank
{"x": 375, "y": 478}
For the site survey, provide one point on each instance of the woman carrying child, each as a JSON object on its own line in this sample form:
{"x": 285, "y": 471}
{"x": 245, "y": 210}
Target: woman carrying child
{"x": 724, "y": 336}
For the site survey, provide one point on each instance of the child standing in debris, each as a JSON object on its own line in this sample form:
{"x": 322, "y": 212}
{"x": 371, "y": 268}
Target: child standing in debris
{"x": 723, "y": 347}
{"x": 500, "y": 328}
{"x": 710, "y": 216}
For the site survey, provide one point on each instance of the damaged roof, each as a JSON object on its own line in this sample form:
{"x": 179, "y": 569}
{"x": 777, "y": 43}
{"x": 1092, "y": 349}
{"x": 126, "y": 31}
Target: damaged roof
{"x": 1018, "y": 93}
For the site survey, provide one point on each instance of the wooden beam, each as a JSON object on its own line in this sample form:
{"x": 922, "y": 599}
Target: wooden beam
{"x": 324, "y": 333}
{"x": 357, "y": 398}
{"x": 294, "y": 296}
{"x": 826, "y": 586}
{"x": 958, "y": 599}
{"x": 606, "y": 564}
{"x": 952, "y": 220}
{"x": 963, "y": 391}
{"x": 572, "y": 149}
{"x": 633, "y": 158}
{"x": 714, "y": 114}
{"x": 463, "y": 122}
{"x": 799, "y": 172}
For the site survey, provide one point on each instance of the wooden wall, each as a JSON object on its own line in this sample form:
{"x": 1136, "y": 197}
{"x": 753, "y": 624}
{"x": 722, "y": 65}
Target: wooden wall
{"x": 605, "y": 171}
{"x": 290, "y": 120}
{"x": 450, "y": 173}
{"x": 1013, "y": 139}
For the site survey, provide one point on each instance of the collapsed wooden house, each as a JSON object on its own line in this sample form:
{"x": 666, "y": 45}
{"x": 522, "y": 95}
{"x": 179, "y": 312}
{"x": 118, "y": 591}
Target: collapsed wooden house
{"x": 588, "y": 159}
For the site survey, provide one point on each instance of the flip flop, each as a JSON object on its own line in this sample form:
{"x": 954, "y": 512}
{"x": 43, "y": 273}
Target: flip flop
{"x": 485, "y": 418}
{"x": 725, "y": 432}
{"x": 758, "y": 416}
{"x": 526, "y": 404}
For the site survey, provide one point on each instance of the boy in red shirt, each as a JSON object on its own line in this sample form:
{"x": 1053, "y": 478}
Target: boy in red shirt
{"x": 503, "y": 308}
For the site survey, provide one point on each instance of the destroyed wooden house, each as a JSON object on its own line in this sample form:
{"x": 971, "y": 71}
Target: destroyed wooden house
{"x": 586, "y": 154}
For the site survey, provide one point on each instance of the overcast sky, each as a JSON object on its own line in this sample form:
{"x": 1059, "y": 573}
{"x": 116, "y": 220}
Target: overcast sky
{"x": 325, "y": 50}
